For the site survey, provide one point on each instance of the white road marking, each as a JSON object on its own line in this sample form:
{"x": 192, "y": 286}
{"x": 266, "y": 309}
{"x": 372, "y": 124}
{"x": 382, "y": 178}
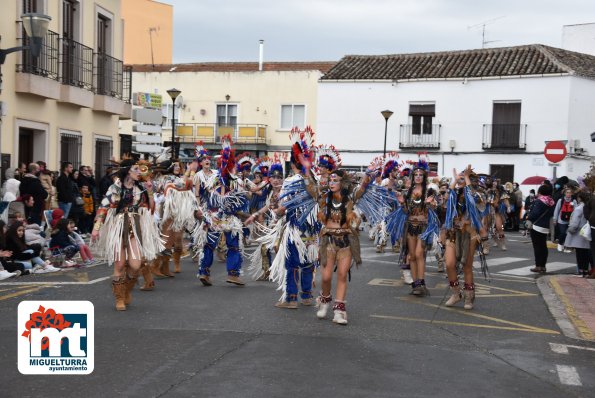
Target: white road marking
{"x": 563, "y": 348}
{"x": 568, "y": 375}
{"x": 551, "y": 267}
{"x": 494, "y": 262}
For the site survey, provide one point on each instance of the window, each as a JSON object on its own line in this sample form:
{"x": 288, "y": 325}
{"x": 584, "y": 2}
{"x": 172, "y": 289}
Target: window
{"x": 506, "y": 125}
{"x": 166, "y": 113}
{"x": 70, "y": 149}
{"x": 503, "y": 172}
{"x": 227, "y": 115}
{"x": 421, "y": 118}
{"x": 293, "y": 116}
{"x": 103, "y": 153}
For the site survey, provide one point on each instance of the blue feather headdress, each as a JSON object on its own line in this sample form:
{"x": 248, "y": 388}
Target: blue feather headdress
{"x": 226, "y": 162}
{"x": 245, "y": 162}
{"x": 391, "y": 162}
{"x": 200, "y": 151}
{"x": 328, "y": 157}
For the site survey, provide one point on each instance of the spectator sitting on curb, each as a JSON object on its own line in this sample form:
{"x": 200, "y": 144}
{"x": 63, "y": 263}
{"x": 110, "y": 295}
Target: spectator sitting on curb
{"x": 61, "y": 241}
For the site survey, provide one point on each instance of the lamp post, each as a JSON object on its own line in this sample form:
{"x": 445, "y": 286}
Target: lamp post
{"x": 386, "y": 114}
{"x": 173, "y": 93}
{"x": 36, "y": 27}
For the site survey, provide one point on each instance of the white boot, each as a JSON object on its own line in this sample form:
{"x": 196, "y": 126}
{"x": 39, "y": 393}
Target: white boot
{"x": 323, "y": 306}
{"x": 406, "y": 275}
{"x": 4, "y": 274}
{"x": 340, "y": 317}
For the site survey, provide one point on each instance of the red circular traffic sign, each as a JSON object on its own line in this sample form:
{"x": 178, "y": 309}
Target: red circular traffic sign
{"x": 555, "y": 151}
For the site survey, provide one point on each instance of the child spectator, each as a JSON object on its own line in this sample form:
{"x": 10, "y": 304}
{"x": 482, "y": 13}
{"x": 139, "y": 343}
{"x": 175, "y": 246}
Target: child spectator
{"x": 57, "y": 215}
{"x": 34, "y": 234}
{"x": 15, "y": 242}
{"x": 86, "y": 220}
{"x": 84, "y": 249}
{"x": 64, "y": 240}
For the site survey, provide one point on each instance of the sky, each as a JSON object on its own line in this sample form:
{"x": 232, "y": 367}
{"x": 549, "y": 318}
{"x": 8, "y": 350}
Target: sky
{"x": 327, "y": 30}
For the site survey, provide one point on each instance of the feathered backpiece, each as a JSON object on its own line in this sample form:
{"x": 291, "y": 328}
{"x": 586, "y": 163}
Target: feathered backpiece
{"x": 262, "y": 166}
{"x": 200, "y": 152}
{"x": 302, "y": 143}
{"x": 391, "y": 161}
{"x": 245, "y": 162}
{"x": 226, "y": 162}
{"x": 422, "y": 162}
{"x": 328, "y": 157}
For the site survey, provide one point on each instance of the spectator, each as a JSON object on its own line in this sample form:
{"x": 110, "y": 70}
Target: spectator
{"x": 20, "y": 171}
{"x": 517, "y": 197}
{"x": 575, "y": 240}
{"x": 64, "y": 185}
{"x": 28, "y": 203}
{"x": 529, "y": 200}
{"x": 34, "y": 234}
{"x": 57, "y": 215}
{"x": 45, "y": 176}
{"x": 541, "y": 212}
{"x": 86, "y": 221}
{"x": 76, "y": 210}
{"x": 31, "y": 185}
{"x": 106, "y": 181}
{"x": 15, "y": 242}
{"x": 85, "y": 251}
{"x": 62, "y": 242}
{"x": 86, "y": 178}
{"x": 589, "y": 213}
{"x": 562, "y": 213}
{"x": 9, "y": 269}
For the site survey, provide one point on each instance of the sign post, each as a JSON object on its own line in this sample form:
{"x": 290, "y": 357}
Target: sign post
{"x": 555, "y": 152}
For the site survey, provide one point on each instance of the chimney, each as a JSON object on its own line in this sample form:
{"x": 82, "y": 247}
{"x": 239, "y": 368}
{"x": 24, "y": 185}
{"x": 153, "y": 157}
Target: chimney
{"x": 261, "y": 55}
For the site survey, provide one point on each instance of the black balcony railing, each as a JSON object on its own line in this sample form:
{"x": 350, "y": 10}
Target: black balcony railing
{"x": 504, "y": 136}
{"x": 127, "y": 88}
{"x": 76, "y": 61}
{"x": 108, "y": 75}
{"x": 46, "y": 64}
{"x": 412, "y": 136}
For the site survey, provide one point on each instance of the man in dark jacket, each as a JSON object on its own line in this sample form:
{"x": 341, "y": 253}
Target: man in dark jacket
{"x": 589, "y": 214}
{"x": 31, "y": 185}
{"x": 64, "y": 188}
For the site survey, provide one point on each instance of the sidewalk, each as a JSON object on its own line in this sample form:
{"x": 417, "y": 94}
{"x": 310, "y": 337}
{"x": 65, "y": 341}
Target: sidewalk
{"x": 571, "y": 300}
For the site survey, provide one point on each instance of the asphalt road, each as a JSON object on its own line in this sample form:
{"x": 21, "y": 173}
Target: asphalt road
{"x": 184, "y": 339}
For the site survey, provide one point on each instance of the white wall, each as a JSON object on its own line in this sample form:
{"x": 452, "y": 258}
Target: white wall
{"x": 580, "y": 38}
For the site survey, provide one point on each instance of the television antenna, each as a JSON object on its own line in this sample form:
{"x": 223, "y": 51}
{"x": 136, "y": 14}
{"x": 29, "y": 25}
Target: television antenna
{"x": 483, "y": 25}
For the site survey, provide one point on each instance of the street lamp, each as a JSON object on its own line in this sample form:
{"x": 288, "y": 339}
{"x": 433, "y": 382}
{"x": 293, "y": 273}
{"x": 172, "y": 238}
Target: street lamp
{"x": 36, "y": 26}
{"x": 173, "y": 93}
{"x": 387, "y": 114}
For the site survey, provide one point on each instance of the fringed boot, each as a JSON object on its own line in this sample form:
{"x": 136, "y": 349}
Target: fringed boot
{"x": 469, "y": 292}
{"x": 323, "y": 303}
{"x": 148, "y": 277}
{"x": 176, "y": 256}
{"x": 156, "y": 267}
{"x": 119, "y": 290}
{"x": 456, "y": 294}
{"x": 264, "y": 253}
{"x": 165, "y": 266}
{"x": 130, "y": 283}
{"x": 340, "y": 317}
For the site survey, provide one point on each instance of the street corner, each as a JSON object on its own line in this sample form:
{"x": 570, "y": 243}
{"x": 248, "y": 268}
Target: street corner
{"x": 569, "y": 299}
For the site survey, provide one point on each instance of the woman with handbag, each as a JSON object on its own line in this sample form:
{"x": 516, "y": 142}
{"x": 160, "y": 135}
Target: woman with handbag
{"x": 539, "y": 221}
{"x": 573, "y": 237}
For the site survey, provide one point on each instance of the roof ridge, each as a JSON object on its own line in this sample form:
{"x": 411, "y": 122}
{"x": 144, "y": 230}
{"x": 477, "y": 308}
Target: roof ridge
{"x": 434, "y": 53}
{"x": 553, "y": 58}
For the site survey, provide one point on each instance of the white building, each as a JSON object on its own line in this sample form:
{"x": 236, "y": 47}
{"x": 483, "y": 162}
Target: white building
{"x": 492, "y": 108}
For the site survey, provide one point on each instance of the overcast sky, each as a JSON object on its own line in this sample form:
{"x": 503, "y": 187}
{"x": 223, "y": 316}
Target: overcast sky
{"x": 326, "y": 30}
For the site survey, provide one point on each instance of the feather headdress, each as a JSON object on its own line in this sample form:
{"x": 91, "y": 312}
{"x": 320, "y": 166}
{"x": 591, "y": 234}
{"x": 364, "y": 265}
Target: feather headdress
{"x": 422, "y": 162}
{"x": 200, "y": 152}
{"x": 262, "y": 166}
{"x": 328, "y": 157}
{"x": 245, "y": 162}
{"x": 376, "y": 165}
{"x": 391, "y": 162}
{"x": 276, "y": 168}
{"x": 302, "y": 143}
{"x": 227, "y": 161}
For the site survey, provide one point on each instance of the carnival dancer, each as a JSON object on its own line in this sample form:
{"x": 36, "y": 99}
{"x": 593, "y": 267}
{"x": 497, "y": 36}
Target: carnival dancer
{"x": 500, "y": 206}
{"x": 327, "y": 160}
{"x": 295, "y": 234}
{"x": 125, "y": 231}
{"x": 390, "y": 174}
{"x": 221, "y": 216}
{"x": 245, "y": 164}
{"x": 268, "y": 214}
{"x": 464, "y": 232}
{"x": 416, "y": 221}
{"x": 441, "y": 200}
{"x": 179, "y": 207}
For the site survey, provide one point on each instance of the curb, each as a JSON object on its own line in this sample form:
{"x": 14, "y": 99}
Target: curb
{"x": 559, "y": 307}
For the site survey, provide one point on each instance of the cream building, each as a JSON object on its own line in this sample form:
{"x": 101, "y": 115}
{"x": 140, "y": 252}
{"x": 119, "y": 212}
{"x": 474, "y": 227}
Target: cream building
{"x": 148, "y": 32}
{"x": 257, "y": 107}
{"x": 66, "y": 104}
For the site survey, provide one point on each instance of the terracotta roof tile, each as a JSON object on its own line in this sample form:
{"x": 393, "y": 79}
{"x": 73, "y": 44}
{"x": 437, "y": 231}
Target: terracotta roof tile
{"x": 322, "y": 66}
{"x": 534, "y": 59}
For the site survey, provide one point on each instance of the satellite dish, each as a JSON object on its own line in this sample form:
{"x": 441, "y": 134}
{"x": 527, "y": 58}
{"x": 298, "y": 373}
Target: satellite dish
{"x": 179, "y": 101}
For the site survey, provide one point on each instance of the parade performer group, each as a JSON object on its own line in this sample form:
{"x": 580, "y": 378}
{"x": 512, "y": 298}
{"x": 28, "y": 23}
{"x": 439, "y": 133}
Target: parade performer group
{"x": 308, "y": 221}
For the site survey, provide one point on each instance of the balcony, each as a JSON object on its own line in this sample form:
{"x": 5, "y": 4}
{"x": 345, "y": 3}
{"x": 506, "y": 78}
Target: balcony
{"x": 76, "y": 63}
{"x": 247, "y": 136}
{"x": 509, "y": 137}
{"x": 112, "y": 85}
{"x": 425, "y": 136}
{"x": 39, "y": 75}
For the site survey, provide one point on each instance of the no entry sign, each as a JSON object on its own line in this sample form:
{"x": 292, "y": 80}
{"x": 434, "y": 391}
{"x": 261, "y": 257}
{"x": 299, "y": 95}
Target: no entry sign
{"x": 555, "y": 151}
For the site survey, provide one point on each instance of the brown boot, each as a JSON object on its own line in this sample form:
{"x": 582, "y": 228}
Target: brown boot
{"x": 119, "y": 290}
{"x": 156, "y": 267}
{"x": 130, "y": 283}
{"x": 165, "y": 266}
{"x": 235, "y": 280}
{"x": 148, "y": 277}
{"x": 176, "y": 256}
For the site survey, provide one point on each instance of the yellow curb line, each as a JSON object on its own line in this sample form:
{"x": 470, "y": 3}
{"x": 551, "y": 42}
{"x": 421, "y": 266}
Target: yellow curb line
{"x": 578, "y": 323}
{"x": 22, "y": 292}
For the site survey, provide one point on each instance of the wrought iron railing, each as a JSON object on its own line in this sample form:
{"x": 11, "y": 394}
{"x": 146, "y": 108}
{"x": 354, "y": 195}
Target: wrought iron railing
{"x": 414, "y": 136}
{"x": 76, "y": 64}
{"x": 127, "y": 86}
{"x": 108, "y": 75}
{"x": 46, "y": 64}
{"x": 504, "y": 136}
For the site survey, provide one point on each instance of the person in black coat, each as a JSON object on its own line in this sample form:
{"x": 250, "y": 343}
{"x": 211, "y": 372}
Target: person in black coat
{"x": 31, "y": 185}
{"x": 65, "y": 189}
{"x": 541, "y": 213}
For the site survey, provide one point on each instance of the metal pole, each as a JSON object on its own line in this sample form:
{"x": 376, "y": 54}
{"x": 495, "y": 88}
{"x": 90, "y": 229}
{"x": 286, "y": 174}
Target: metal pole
{"x": 385, "y": 131}
{"x": 173, "y": 130}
